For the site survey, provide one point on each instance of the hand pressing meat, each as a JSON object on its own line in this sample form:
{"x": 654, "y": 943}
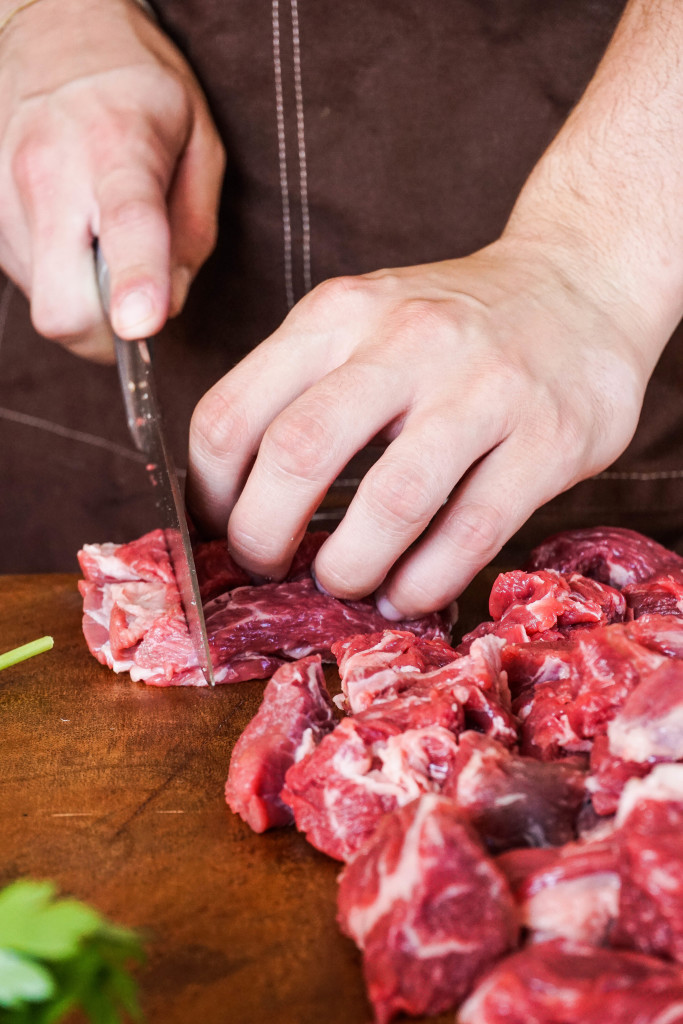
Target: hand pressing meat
{"x": 104, "y": 131}
{"x": 498, "y": 380}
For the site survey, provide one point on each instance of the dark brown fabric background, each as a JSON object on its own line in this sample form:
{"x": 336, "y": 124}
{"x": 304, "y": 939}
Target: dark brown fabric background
{"x": 421, "y": 120}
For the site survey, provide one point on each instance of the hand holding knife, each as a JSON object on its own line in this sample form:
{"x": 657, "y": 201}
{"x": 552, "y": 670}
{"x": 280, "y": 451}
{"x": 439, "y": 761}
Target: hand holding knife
{"x": 144, "y": 422}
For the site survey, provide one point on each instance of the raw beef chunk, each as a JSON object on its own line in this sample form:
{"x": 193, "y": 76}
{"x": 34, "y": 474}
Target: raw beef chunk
{"x": 133, "y": 619}
{"x": 546, "y": 605}
{"x": 404, "y": 744}
{"x": 648, "y": 729}
{"x": 547, "y": 598}
{"x": 374, "y": 664}
{"x": 372, "y": 763}
{"x": 512, "y": 800}
{"x": 609, "y": 775}
{"x": 605, "y": 553}
{"x": 660, "y": 595}
{"x": 568, "y": 983}
{"x": 649, "y": 726}
{"x": 295, "y": 713}
{"x": 428, "y": 908}
{"x": 368, "y": 766}
{"x": 384, "y": 667}
{"x": 571, "y": 689}
{"x": 650, "y": 820}
{"x": 660, "y": 633}
{"x": 569, "y": 893}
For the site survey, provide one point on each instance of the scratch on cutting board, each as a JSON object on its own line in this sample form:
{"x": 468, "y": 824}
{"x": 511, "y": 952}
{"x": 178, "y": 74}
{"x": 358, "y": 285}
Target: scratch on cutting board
{"x": 152, "y": 796}
{"x": 73, "y": 814}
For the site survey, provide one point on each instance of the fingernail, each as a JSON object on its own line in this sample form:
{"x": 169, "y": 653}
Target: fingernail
{"x": 180, "y": 286}
{"x": 386, "y": 608}
{"x": 318, "y": 584}
{"x": 133, "y": 311}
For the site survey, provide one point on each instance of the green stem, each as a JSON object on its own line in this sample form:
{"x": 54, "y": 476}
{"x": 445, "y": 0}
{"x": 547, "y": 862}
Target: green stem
{"x": 45, "y": 643}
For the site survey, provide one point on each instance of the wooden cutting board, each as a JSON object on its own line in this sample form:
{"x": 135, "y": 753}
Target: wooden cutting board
{"x": 115, "y": 790}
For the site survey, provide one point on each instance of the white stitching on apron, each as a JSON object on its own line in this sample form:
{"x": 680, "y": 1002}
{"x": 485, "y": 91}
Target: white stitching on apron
{"x": 301, "y": 139}
{"x": 663, "y": 474}
{"x": 282, "y": 156}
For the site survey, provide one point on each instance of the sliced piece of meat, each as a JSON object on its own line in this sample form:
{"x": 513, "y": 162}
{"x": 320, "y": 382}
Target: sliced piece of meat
{"x": 133, "y": 618}
{"x": 139, "y": 627}
{"x": 428, "y": 908}
{"x": 606, "y": 553}
{"x": 145, "y": 558}
{"x": 295, "y": 713}
{"x": 515, "y": 801}
{"x": 291, "y": 620}
{"x": 372, "y": 763}
{"x": 561, "y": 982}
{"x": 571, "y": 892}
{"x": 650, "y": 835}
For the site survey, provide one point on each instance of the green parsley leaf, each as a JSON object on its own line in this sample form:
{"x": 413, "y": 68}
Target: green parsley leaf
{"x": 32, "y": 922}
{"x": 22, "y": 980}
{"x": 57, "y": 955}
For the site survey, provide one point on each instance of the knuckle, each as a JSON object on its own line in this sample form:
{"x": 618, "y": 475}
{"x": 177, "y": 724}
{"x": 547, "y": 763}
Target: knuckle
{"x": 109, "y": 134}
{"x": 258, "y": 549}
{"x": 506, "y": 374}
{"x": 345, "y": 581}
{"x": 219, "y": 426}
{"x": 399, "y": 494}
{"x": 299, "y": 442}
{"x": 127, "y": 213}
{"x": 54, "y": 319}
{"x": 336, "y": 293}
{"x": 416, "y": 594}
{"x": 33, "y": 164}
{"x": 474, "y": 530}
{"x": 422, "y": 318}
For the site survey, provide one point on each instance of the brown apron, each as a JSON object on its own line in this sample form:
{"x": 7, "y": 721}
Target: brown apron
{"x": 360, "y": 135}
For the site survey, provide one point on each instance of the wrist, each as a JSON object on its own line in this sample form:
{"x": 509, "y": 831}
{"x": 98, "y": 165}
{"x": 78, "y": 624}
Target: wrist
{"x": 602, "y": 254}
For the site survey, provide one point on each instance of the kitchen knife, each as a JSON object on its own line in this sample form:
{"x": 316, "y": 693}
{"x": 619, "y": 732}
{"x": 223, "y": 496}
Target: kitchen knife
{"x": 145, "y": 424}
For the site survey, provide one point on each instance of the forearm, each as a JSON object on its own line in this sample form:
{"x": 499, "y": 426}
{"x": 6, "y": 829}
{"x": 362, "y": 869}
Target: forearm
{"x": 608, "y": 193}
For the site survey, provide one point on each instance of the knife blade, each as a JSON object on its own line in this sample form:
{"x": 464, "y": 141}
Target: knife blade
{"x": 146, "y": 429}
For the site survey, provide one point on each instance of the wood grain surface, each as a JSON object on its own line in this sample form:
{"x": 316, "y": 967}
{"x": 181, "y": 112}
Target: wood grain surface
{"x": 115, "y": 790}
